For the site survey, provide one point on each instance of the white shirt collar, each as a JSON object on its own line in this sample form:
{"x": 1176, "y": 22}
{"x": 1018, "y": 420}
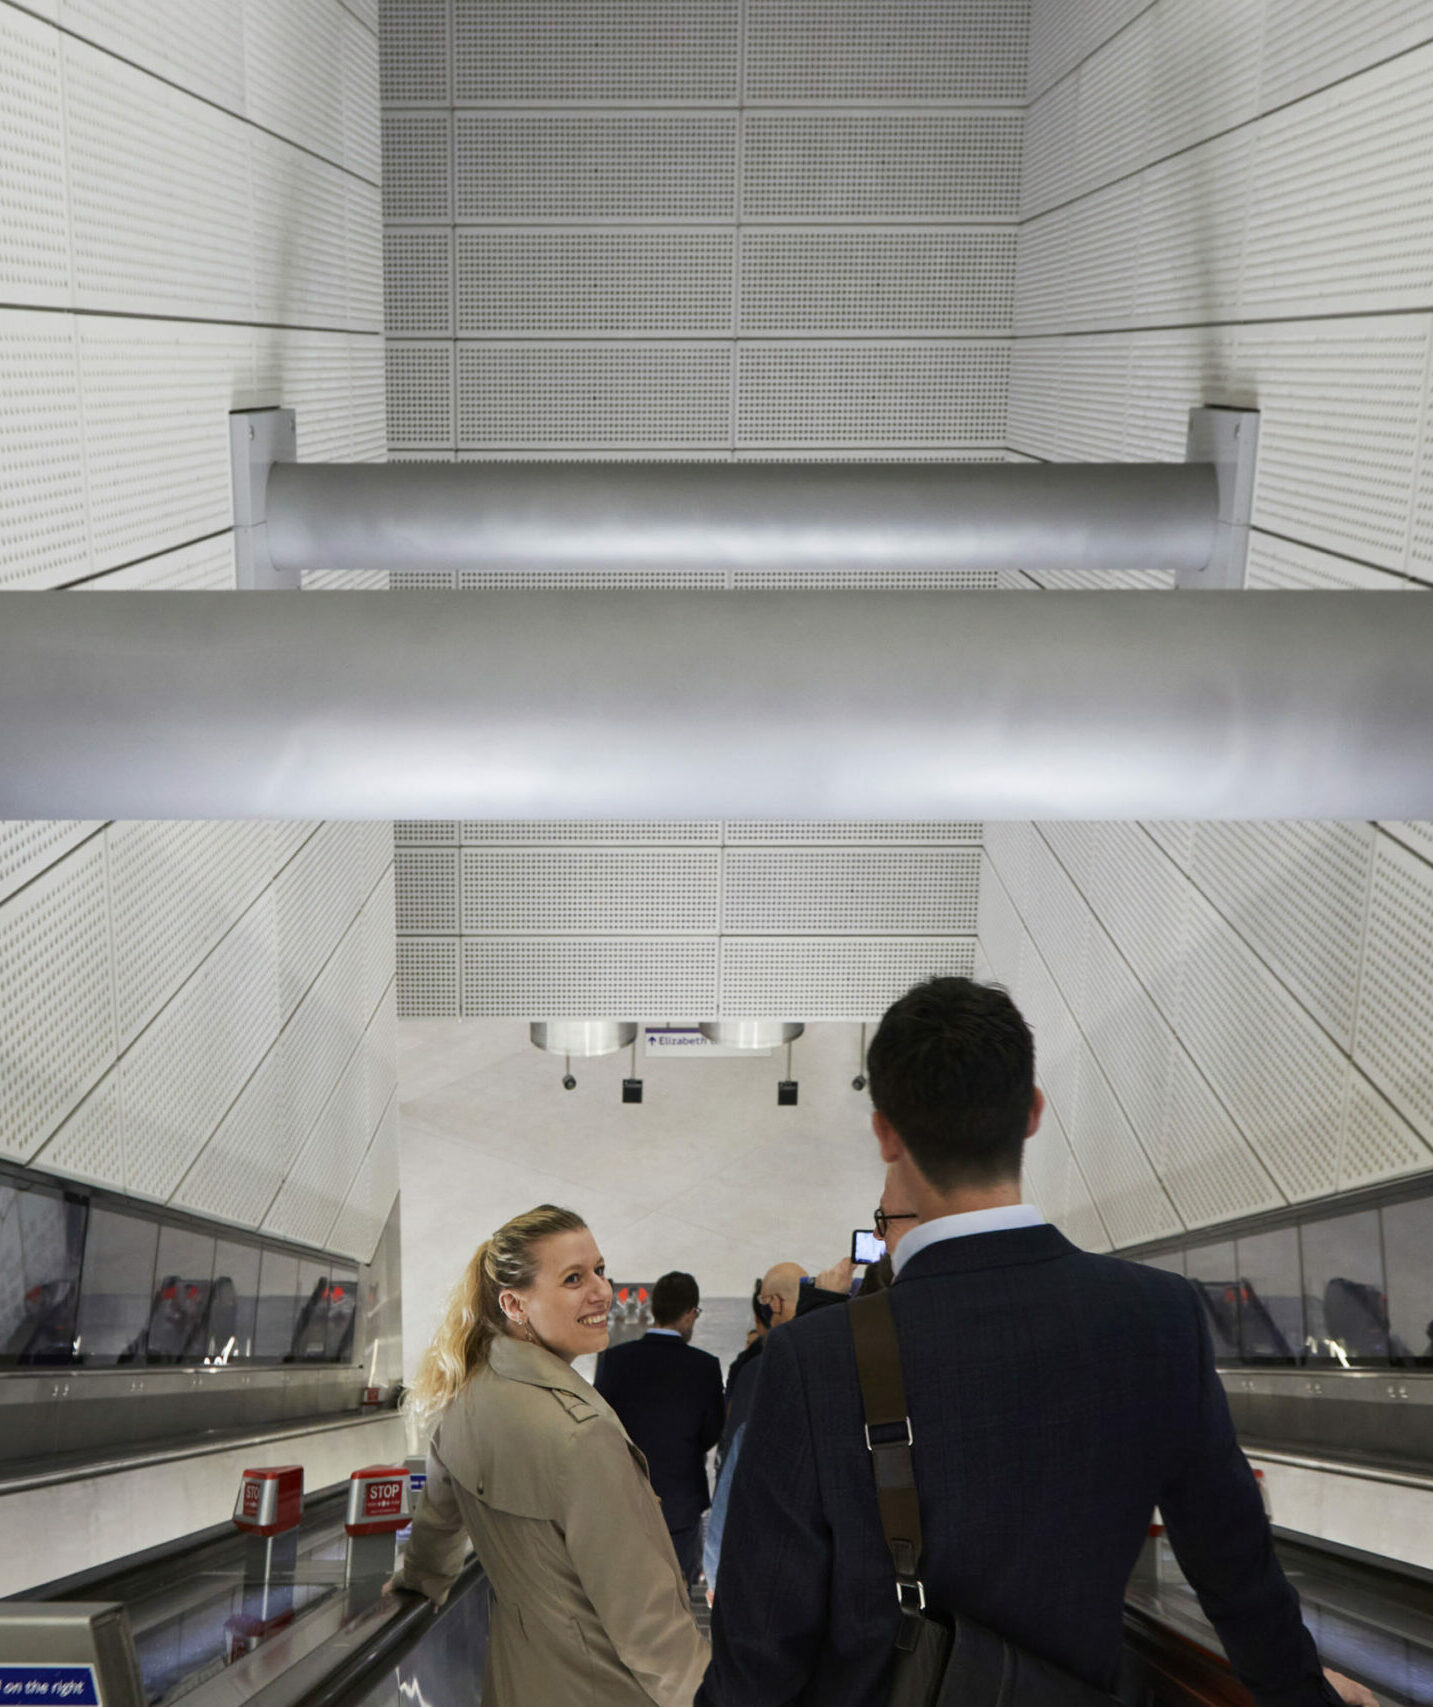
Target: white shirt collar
{"x": 959, "y": 1226}
{"x": 673, "y": 1332}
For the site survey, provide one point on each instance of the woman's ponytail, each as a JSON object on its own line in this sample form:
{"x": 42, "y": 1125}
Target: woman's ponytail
{"x": 474, "y": 1318}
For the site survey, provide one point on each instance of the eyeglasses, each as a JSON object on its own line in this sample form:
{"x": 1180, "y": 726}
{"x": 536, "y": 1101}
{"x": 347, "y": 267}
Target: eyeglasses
{"x": 882, "y": 1220}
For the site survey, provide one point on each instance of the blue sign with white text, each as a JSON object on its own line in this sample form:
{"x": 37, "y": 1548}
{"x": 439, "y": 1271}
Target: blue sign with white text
{"x": 74, "y": 1685}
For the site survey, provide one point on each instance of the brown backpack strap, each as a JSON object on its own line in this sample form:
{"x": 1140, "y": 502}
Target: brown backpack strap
{"x": 889, "y": 1439}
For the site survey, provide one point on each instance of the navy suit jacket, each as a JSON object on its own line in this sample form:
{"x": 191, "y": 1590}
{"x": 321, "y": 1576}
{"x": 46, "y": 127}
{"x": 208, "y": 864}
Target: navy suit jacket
{"x": 1056, "y": 1398}
{"x": 668, "y": 1395}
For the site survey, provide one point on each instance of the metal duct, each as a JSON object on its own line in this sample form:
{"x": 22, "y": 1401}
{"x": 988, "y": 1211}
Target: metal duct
{"x": 692, "y": 705}
{"x": 604, "y": 517}
{"x": 751, "y": 1033}
{"x": 583, "y": 1038}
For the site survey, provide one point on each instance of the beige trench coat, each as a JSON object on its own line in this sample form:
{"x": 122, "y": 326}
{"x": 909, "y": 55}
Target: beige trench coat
{"x": 589, "y": 1605}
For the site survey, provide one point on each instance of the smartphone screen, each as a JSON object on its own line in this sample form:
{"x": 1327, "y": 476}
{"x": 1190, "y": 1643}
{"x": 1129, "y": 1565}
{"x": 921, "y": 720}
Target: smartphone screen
{"x": 865, "y": 1246}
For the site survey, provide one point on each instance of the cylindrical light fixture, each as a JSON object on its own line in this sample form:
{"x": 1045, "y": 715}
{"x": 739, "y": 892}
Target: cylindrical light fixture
{"x": 583, "y": 1038}
{"x": 750, "y": 1033}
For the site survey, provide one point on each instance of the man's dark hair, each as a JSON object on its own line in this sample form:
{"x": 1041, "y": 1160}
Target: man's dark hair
{"x": 952, "y": 1067}
{"x": 672, "y": 1296}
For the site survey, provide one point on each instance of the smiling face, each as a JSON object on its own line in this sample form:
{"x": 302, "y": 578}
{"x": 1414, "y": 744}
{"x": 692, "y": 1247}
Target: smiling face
{"x": 569, "y": 1298}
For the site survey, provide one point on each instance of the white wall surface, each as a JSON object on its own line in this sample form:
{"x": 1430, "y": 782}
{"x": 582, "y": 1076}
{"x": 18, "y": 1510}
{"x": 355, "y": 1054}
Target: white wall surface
{"x": 706, "y": 1174}
{"x": 1219, "y": 207}
{"x": 190, "y": 222}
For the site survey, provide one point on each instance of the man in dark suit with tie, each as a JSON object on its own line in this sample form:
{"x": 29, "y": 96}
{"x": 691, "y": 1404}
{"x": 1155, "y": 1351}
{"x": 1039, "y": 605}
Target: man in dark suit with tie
{"x": 1055, "y": 1398}
{"x": 669, "y": 1397}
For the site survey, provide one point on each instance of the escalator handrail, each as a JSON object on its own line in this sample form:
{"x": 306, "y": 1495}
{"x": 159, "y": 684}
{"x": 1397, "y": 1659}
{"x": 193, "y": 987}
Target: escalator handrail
{"x": 353, "y": 1676}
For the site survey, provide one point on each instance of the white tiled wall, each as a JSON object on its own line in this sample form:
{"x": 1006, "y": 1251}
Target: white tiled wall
{"x": 190, "y": 222}
{"x": 1220, "y": 205}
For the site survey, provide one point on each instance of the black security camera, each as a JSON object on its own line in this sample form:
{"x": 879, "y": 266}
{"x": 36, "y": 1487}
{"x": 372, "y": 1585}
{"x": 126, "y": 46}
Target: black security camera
{"x": 568, "y": 1082}
{"x": 859, "y": 1082}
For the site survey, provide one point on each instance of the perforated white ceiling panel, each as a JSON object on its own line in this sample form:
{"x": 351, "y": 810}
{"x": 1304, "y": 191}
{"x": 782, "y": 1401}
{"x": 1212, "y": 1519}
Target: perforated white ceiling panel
{"x": 926, "y": 891}
{"x": 428, "y": 977}
{"x": 904, "y": 50}
{"x": 574, "y": 166}
{"x": 602, "y": 50}
{"x": 833, "y": 978}
{"x": 590, "y": 889}
{"x": 881, "y": 166}
{"x": 585, "y": 979}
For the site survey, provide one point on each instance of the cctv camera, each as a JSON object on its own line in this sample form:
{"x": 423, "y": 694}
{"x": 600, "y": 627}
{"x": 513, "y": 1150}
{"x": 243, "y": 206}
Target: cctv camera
{"x": 568, "y": 1082}
{"x": 859, "y": 1082}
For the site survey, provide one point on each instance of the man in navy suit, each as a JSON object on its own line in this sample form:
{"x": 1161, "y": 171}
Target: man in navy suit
{"x": 1055, "y": 1398}
{"x": 669, "y": 1397}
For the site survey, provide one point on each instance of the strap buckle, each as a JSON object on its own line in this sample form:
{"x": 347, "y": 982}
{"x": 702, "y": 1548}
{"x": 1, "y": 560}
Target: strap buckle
{"x": 918, "y": 1589}
{"x": 871, "y": 1445}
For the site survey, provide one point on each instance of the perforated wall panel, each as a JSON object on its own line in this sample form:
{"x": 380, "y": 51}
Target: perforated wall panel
{"x": 34, "y": 233}
{"x": 1280, "y": 563}
{"x": 590, "y": 889}
{"x": 766, "y": 830}
{"x": 1395, "y": 1009}
{"x": 360, "y": 1222}
{"x": 924, "y": 891}
{"x": 175, "y": 889}
{"x": 1143, "y": 900}
{"x": 417, "y": 166}
{"x": 288, "y": 55}
{"x": 625, "y": 50}
{"x": 420, "y": 393}
{"x": 1311, "y": 43}
{"x": 325, "y": 1030}
{"x": 1298, "y": 894}
{"x": 378, "y": 934}
{"x": 156, "y": 402}
{"x": 90, "y": 1145}
{"x": 1132, "y": 1203}
{"x": 1377, "y": 1144}
{"x": 316, "y": 895}
{"x": 416, "y": 52}
{"x": 656, "y": 283}
{"x": 577, "y": 166}
{"x": 587, "y": 979}
{"x": 56, "y": 1001}
{"x": 1206, "y": 1167}
{"x": 1065, "y": 32}
{"x": 380, "y": 1058}
{"x": 1338, "y": 222}
{"x": 864, "y": 282}
{"x": 1418, "y": 836}
{"x": 998, "y": 929}
{"x": 903, "y": 50}
{"x": 45, "y": 539}
{"x": 523, "y": 395}
{"x": 881, "y": 166}
{"x": 314, "y": 1188}
{"x": 427, "y": 977}
{"x": 238, "y": 1171}
{"x": 179, "y": 1078}
{"x": 29, "y": 845}
{"x": 427, "y": 889}
{"x": 887, "y": 394}
{"x": 1277, "y": 1073}
{"x": 1060, "y": 923}
{"x": 205, "y": 567}
{"x": 425, "y": 832}
{"x": 618, "y": 830}
{"x": 155, "y": 179}
{"x": 835, "y": 978}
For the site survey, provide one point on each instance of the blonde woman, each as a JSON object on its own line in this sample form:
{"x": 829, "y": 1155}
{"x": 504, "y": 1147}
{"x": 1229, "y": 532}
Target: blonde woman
{"x": 529, "y": 1463}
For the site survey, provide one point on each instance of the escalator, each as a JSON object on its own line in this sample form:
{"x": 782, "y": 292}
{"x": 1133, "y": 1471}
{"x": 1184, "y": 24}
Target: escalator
{"x": 201, "y": 1636}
